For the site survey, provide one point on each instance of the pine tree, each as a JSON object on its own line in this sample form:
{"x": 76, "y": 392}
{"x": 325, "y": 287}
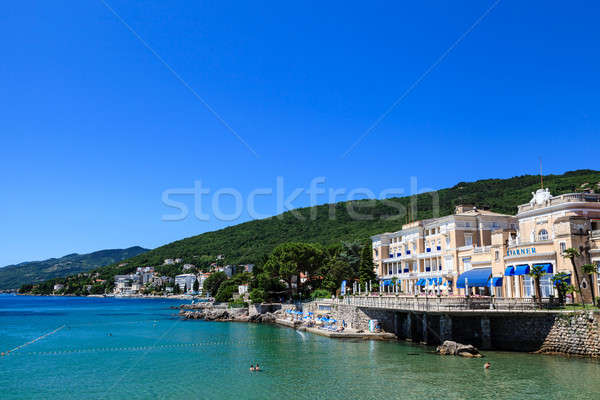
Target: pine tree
{"x": 366, "y": 270}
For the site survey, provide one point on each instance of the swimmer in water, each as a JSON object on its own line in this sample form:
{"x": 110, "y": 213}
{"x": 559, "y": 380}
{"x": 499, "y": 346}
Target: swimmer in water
{"x": 487, "y": 365}
{"x": 251, "y": 368}
{"x": 257, "y": 368}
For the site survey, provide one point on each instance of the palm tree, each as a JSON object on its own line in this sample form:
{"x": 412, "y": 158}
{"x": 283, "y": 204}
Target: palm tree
{"x": 536, "y": 272}
{"x": 560, "y": 281}
{"x": 589, "y": 269}
{"x": 571, "y": 253}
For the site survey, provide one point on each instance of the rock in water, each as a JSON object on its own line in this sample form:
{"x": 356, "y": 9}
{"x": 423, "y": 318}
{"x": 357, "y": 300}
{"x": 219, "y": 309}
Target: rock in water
{"x": 456, "y": 349}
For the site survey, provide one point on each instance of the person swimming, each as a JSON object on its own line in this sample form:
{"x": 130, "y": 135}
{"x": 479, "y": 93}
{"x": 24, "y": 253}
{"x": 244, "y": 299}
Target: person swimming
{"x": 257, "y": 368}
{"x": 487, "y": 365}
{"x": 252, "y": 368}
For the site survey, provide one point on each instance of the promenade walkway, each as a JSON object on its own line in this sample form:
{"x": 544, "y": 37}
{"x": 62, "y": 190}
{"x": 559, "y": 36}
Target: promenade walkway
{"x": 449, "y": 304}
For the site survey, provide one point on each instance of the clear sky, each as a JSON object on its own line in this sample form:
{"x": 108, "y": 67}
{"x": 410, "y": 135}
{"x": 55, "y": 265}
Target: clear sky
{"x": 95, "y": 127}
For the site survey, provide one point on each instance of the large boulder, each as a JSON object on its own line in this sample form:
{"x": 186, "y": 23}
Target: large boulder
{"x": 457, "y": 349}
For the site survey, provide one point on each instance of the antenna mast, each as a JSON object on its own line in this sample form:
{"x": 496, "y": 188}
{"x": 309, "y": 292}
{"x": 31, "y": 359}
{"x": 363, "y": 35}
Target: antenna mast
{"x": 541, "y": 176}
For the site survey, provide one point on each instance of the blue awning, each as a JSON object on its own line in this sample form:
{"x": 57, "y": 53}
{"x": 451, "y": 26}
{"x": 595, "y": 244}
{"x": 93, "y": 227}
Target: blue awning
{"x": 547, "y": 268}
{"x": 478, "y": 277}
{"x": 420, "y": 282}
{"x": 522, "y": 269}
{"x": 509, "y": 271}
{"x": 495, "y": 282}
{"x": 387, "y": 282}
{"x": 405, "y": 270}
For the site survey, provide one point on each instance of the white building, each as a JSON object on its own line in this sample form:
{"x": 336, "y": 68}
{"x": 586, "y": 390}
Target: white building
{"x": 185, "y": 282}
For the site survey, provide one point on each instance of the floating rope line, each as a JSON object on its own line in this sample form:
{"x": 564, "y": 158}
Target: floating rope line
{"x": 191, "y": 346}
{"x": 33, "y": 341}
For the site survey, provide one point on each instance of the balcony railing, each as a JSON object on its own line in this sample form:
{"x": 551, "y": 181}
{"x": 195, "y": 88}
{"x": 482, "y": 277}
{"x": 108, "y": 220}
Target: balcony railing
{"x": 565, "y": 198}
{"x": 484, "y": 249}
{"x": 449, "y": 304}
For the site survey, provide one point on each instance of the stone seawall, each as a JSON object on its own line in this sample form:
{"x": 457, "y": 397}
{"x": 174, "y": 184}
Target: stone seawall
{"x": 543, "y": 332}
{"x": 574, "y": 333}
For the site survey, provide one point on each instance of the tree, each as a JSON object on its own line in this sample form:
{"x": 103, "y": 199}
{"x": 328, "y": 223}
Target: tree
{"x": 196, "y": 286}
{"x": 226, "y": 291}
{"x": 571, "y": 253}
{"x": 257, "y": 295}
{"x": 351, "y": 254}
{"x": 336, "y": 271}
{"x": 213, "y": 282}
{"x": 289, "y": 260}
{"x": 366, "y": 270}
{"x": 536, "y": 272}
{"x": 590, "y": 269}
{"x": 561, "y": 282}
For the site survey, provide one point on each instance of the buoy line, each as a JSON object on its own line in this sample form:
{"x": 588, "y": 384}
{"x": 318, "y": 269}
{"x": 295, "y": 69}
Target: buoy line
{"x": 149, "y": 348}
{"x": 33, "y": 341}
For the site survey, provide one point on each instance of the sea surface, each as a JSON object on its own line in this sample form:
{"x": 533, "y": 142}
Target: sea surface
{"x": 140, "y": 349}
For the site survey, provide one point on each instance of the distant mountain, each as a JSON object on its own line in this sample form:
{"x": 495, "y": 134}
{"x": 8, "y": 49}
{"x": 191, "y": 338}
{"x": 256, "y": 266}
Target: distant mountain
{"x": 13, "y": 276}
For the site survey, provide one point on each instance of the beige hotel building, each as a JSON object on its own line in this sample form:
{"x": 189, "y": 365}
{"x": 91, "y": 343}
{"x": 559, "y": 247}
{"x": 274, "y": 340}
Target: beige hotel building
{"x": 486, "y": 251}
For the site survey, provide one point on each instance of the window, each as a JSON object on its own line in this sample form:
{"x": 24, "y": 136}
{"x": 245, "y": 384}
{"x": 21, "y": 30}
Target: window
{"x": 528, "y": 285}
{"x": 468, "y": 240}
{"x": 447, "y": 241}
{"x": 563, "y": 247}
{"x": 466, "y": 263}
{"x": 546, "y": 285}
{"x": 543, "y": 235}
{"x": 496, "y": 255}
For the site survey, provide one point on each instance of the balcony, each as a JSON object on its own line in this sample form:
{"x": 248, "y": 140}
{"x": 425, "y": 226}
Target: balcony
{"x": 596, "y": 234}
{"x": 484, "y": 249}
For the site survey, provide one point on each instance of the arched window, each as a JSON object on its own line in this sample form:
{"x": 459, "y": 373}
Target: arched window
{"x": 543, "y": 235}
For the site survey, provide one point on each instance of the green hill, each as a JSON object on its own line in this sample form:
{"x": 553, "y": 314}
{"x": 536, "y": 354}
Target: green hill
{"x": 251, "y": 241}
{"x": 13, "y": 276}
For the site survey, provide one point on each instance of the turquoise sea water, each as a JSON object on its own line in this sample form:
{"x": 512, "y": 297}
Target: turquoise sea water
{"x": 139, "y": 349}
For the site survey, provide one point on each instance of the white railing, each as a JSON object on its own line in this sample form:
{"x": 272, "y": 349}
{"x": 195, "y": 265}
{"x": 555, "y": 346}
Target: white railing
{"x": 484, "y": 249}
{"x": 435, "y": 304}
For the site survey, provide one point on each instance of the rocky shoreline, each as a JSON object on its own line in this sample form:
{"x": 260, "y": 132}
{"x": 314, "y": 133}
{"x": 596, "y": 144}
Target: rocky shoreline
{"x": 208, "y": 312}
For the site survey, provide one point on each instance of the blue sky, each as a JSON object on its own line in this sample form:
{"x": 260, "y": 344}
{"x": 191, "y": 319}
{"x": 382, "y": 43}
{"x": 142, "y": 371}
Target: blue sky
{"x": 95, "y": 127}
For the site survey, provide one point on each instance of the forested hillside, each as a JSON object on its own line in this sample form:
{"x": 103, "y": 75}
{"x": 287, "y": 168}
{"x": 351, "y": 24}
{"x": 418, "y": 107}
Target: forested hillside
{"x": 252, "y": 241}
{"x": 13, "y": 276}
